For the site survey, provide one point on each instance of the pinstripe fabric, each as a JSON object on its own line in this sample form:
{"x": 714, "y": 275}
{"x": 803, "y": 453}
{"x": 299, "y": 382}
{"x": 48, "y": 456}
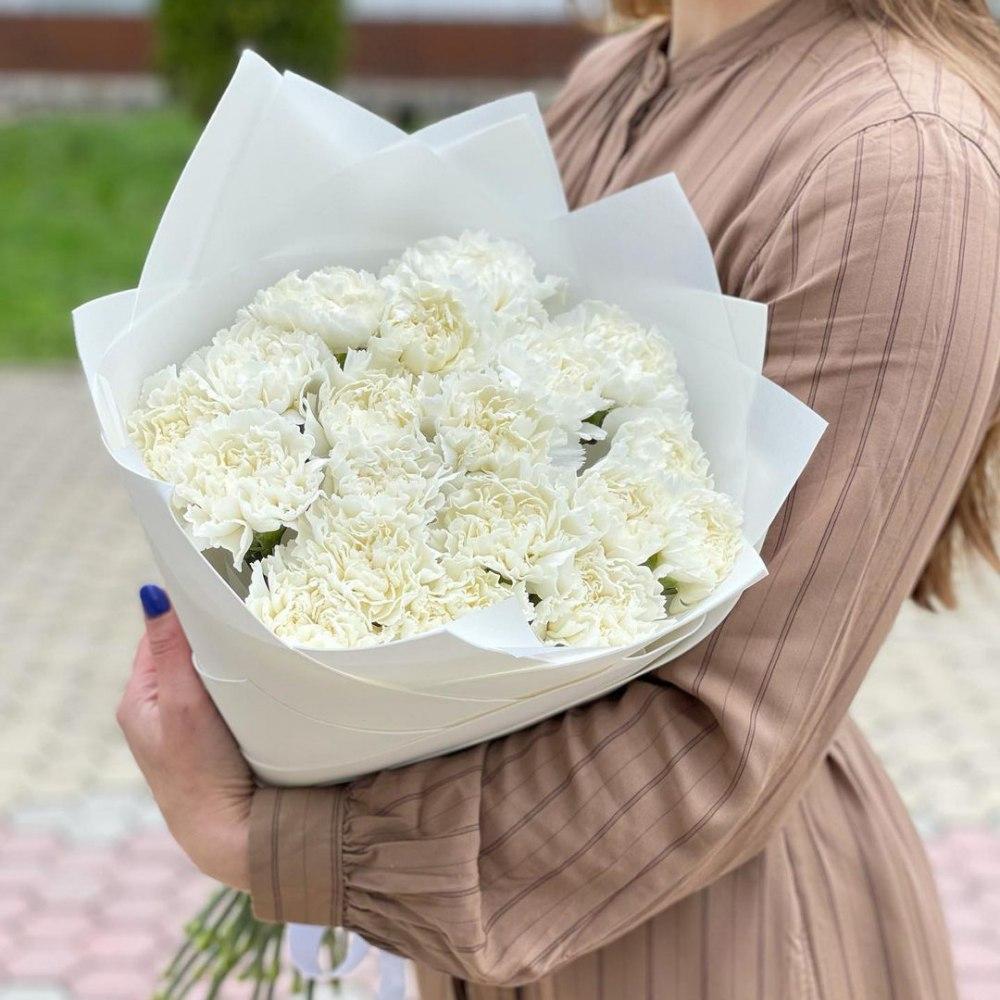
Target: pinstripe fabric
{"x": 719, "y": 831}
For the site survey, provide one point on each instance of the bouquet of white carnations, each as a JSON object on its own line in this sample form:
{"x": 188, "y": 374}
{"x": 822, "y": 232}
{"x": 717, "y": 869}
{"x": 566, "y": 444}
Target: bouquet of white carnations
{"x": 389, "y": 454}
{"x": 459, "y": 458}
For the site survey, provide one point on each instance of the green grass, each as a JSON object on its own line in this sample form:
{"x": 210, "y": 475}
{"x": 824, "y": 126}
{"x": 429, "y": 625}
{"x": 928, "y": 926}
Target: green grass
{"x": 79, "y": 202}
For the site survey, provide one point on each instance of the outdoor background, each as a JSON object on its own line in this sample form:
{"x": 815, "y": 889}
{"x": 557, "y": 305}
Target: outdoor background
{"x": 92, "y": 891}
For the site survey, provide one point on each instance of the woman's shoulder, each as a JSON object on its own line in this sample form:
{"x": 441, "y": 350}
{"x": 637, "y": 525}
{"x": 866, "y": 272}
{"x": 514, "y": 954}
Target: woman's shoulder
{"x": 890, "y": 95}
{"x": 882, "y": 125}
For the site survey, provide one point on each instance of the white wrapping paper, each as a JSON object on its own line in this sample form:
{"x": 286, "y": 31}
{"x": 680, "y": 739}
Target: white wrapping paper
{"x": 289, "y": 175}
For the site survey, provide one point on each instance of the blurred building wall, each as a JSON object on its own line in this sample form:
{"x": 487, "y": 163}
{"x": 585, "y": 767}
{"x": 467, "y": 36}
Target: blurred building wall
{"x": 443, "y": 39}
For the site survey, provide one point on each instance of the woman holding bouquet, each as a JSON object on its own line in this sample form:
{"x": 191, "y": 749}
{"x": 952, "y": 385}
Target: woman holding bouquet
{"x": 719, "y": 829}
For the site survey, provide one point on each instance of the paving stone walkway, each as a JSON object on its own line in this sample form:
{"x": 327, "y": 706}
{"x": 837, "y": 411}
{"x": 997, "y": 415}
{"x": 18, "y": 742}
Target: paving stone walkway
{"x": 92, "y": 889}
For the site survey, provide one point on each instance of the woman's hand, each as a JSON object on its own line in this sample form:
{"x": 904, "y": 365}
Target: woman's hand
{"x": 187, "y": 754}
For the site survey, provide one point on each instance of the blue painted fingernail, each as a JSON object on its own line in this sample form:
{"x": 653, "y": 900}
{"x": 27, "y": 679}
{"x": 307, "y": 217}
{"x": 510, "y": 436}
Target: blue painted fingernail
{"x": 154, "y": 600}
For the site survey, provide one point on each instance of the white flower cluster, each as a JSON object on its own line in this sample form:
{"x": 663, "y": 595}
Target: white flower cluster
{"x": 389, "y": 453}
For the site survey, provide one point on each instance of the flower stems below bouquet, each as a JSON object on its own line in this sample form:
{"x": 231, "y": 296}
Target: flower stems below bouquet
{"x": 225, "y": 941}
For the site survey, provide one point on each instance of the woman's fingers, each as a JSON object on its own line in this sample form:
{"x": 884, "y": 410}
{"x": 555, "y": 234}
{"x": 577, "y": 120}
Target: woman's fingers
{"x": 179, "y": 691}
{"x": 189, "y": 758}
{"x": 140, "y": 691}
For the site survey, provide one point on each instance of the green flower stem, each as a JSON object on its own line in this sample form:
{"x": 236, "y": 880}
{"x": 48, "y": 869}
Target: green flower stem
{"x": 175, "y": 981}
{"x": 263, "y": 544}
{"x": 251, "y": 950}
{"x": 229, "y": 954}
{"x": 668, "y": 584}
{"x": 225, "y": 941}
{"x": 254, "y": 969}
{"x": 598, "y": 418}
{"x": 337, "y": 945}
{"x": 213, "y": 955}
{"x": 202, "y": 940}
{"x": 273, "y": 967}
{"x": 181, "y": 991}
{"x": 193, "y": 927}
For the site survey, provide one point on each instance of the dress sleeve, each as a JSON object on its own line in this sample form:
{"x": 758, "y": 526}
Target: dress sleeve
{"x": 499, "y": 863}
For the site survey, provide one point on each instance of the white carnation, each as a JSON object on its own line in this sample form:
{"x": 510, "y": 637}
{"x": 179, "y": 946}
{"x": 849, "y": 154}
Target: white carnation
{"x": 302, "y": 602}
{"x": 339, "y": 304}
{"x": 367, "y": 405}
{"x": 483, "y": 423}
{"x": 428, "y": 327}
{"x": 524, "y": 529}
{"x": 635, "y": 506}
{"x": 408, "y": 468}
{"x": 361, "y": 572}
{"x": 562, "y": 370}
{"x": 701, "y": 547}
{"x": 500, "y": 272}
{"x": 463, "y": 586}
{"x": 602, "y": 600}
{"x": 171, "y": 403}
{"x": 252, "y": 365}
{"x": 637, "y": 361}
{"x": 658, "y": 440}
{"x": 246, "y": 472}
{"x": 383, "y": 551}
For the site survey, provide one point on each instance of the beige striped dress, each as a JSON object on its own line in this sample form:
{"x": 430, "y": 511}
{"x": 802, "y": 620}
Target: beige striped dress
{"x": 719, "y": 830}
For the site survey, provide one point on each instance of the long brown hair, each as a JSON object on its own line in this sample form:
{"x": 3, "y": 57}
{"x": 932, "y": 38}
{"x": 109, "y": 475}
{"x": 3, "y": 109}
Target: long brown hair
{"x": 966, "y": 38}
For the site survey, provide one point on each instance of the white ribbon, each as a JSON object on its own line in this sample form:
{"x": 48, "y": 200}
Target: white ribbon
{"x": 305, "y": 943}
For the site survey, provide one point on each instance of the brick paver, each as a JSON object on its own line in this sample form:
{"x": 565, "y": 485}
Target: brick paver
{"x": 93, "y": 891}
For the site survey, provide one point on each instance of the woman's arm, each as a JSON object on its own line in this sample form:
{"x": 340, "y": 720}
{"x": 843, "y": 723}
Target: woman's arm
{"x": 501, "y": 862}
